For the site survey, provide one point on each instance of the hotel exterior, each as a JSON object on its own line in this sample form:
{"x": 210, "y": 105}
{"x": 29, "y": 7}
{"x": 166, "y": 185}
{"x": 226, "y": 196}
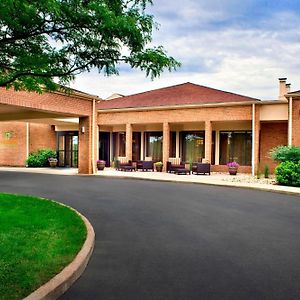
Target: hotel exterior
{"x": 186, "y": 122}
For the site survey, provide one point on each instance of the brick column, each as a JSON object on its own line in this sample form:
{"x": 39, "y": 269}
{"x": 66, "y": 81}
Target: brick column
{"x": 166, "y": 144}
{"x": 208, "y": 140}
{"x": 129, "y": 141}
{"x": 85, "y": 146}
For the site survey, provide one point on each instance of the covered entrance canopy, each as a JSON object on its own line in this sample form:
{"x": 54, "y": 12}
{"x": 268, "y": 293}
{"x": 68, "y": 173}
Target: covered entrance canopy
{"x": 53, "y": 108}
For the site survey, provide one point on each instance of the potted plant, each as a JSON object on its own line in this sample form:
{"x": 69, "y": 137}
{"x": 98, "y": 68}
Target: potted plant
{"x": 100, "y": 164}
{"x": 159, "y": 166}
{"x": 52, "y": 162}
{"x": 233, "y": 167}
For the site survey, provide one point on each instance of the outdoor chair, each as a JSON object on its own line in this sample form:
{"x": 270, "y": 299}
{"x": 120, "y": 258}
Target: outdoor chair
{"x": 145, "y": 165}
{"x": 172, "y": 168}
{"x": 201, "y": 168}
{"x": 125, "y": 166}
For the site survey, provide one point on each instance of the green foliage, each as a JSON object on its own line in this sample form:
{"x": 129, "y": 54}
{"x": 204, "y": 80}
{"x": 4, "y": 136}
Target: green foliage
{"x": 266, "y": 171}
{"x": 41, "y": 237}
{"x": 40, "y": 158}
{"x": 288, "y": 173}
{"x": 285, "y": 153}
{"x": 44, "y": 40}
{"x": 258, "y": 173}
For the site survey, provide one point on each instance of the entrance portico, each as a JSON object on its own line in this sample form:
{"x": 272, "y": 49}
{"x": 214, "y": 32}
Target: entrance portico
{"x": 47, "y": 107}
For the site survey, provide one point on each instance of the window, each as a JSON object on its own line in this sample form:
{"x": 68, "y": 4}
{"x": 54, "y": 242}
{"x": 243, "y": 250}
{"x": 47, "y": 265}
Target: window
{"x": 172, "y": 152}
{"x": 192, "y": 146}
{"x": 119, "y": 144}
{"x": 236, "y": 146}
{"x": 154, "y": 144}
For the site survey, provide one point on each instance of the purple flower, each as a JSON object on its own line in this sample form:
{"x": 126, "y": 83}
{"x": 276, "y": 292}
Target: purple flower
{"x": 233, "y": 164}
{"x": 99, "y": 161}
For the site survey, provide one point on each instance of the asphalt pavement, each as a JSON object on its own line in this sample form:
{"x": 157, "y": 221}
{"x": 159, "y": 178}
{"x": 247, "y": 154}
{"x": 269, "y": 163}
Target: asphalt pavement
{"x": 159, "y": 240}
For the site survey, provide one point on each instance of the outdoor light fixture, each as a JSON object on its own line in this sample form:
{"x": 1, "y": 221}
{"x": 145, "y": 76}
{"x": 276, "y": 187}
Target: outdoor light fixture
{"x": 82, "y": 129}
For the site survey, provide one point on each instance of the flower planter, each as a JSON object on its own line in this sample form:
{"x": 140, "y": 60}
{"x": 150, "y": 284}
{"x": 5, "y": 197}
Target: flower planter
{"x": 232, "y": 170}
{"x": 159, "y": 169}
{"x": 101, "y": 165}
{"x": 53, "y": 163}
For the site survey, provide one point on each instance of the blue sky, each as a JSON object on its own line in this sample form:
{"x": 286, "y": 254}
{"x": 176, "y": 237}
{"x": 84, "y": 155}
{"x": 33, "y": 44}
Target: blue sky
{"x": 237, "y": 46}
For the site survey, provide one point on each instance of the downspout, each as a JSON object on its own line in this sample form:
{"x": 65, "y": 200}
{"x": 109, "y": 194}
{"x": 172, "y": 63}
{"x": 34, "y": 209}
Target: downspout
{"x": 93, "y": 136}
{"x": 290, "y": 126}
{"x": 253, "y": 139}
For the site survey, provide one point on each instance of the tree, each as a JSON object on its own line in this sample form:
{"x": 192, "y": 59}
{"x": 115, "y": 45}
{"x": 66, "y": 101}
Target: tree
{"x": 41, "y": 41}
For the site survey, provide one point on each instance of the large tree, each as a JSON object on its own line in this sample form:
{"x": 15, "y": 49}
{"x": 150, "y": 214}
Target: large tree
{"x": 48, "y": 41}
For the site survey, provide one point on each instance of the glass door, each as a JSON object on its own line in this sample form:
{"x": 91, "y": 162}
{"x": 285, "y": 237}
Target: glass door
{"x": 67, "y": 149}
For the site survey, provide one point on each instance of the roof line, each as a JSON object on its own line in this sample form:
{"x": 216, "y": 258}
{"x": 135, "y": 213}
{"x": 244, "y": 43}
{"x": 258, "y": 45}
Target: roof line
{"x": 188, "y": 82}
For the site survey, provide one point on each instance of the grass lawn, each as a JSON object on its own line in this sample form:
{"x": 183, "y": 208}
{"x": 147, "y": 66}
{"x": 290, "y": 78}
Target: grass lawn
{"x": 38, "y": 238}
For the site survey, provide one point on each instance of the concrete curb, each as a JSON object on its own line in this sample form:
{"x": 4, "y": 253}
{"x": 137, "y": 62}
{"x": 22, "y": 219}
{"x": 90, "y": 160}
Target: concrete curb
{"x": 59, "y": 284}
{"x": 223, "y": 184}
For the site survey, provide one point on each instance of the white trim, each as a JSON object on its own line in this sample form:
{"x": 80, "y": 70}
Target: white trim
{"x": 221, "y": 104}
{"x": 217, "y": 148}
{"x": 290, "y": 122}
{"x": 253, "y": 140}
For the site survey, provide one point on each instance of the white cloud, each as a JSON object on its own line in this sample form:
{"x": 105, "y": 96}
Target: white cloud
{"x": 237, "y": 59}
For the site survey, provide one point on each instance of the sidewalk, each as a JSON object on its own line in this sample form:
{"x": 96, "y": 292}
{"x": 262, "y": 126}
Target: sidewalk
{"x": 221, "y": 179}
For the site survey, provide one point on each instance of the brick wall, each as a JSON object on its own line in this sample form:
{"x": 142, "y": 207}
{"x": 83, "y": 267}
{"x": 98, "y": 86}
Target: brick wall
{"x": 13, "y": 141}
{"x": 41, "y": 136}
{"x": 271, "y": 135}
{"x": 296, "y": 122}
{"x": 237, "y": 113}
{"x": 47, "y": 102}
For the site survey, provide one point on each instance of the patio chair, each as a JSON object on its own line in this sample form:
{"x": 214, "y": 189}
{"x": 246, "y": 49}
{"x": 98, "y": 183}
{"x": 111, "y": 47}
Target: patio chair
{"x": 148, "y": 165}
{"x": 172, "y": 168}
{"x": 201, "y": 168}
{"x": 125, "y": 166}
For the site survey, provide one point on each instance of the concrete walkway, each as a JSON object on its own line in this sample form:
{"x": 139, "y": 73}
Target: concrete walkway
{"x": 220, "y": 179}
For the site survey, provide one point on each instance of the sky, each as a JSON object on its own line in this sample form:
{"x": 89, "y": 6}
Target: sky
{"x": 233, "y": 45}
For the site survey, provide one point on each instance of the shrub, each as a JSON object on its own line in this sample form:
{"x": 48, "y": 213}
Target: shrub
{"x": 288, "y": 173}
{"x": 266, "y": 171}
{"x": 285, "y": 153}
{"x": 40, "y": 158}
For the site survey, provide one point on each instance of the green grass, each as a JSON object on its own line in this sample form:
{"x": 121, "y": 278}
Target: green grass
{"x": 38, "y": 238}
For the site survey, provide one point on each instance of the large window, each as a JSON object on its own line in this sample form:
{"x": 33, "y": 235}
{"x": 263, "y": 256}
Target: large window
{"x": 172, "y": 152}
{"x": 119, "y": 144}
{"x": 154, "y": 144}
{"x": 236, "y": 146}
{"x": 192, "y": 146}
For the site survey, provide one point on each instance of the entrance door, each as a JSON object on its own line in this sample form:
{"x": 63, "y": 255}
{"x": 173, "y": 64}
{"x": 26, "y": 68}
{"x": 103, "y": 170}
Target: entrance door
{"x": 104, "y": 147}
{"x": 68, "y": 149}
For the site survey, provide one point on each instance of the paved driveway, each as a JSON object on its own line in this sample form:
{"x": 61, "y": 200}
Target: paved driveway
{"x": 178, "y": 241}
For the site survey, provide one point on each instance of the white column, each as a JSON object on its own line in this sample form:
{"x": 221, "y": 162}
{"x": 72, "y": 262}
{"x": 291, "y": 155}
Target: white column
{"x": 142, "y": 145}
{"x": 290, "y": 122}
{"x": 217, "y": 148}
{"x": 177, "y": 144}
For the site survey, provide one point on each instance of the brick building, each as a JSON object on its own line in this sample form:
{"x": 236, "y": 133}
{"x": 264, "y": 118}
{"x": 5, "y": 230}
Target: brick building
{"x": 186, "y": 122}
